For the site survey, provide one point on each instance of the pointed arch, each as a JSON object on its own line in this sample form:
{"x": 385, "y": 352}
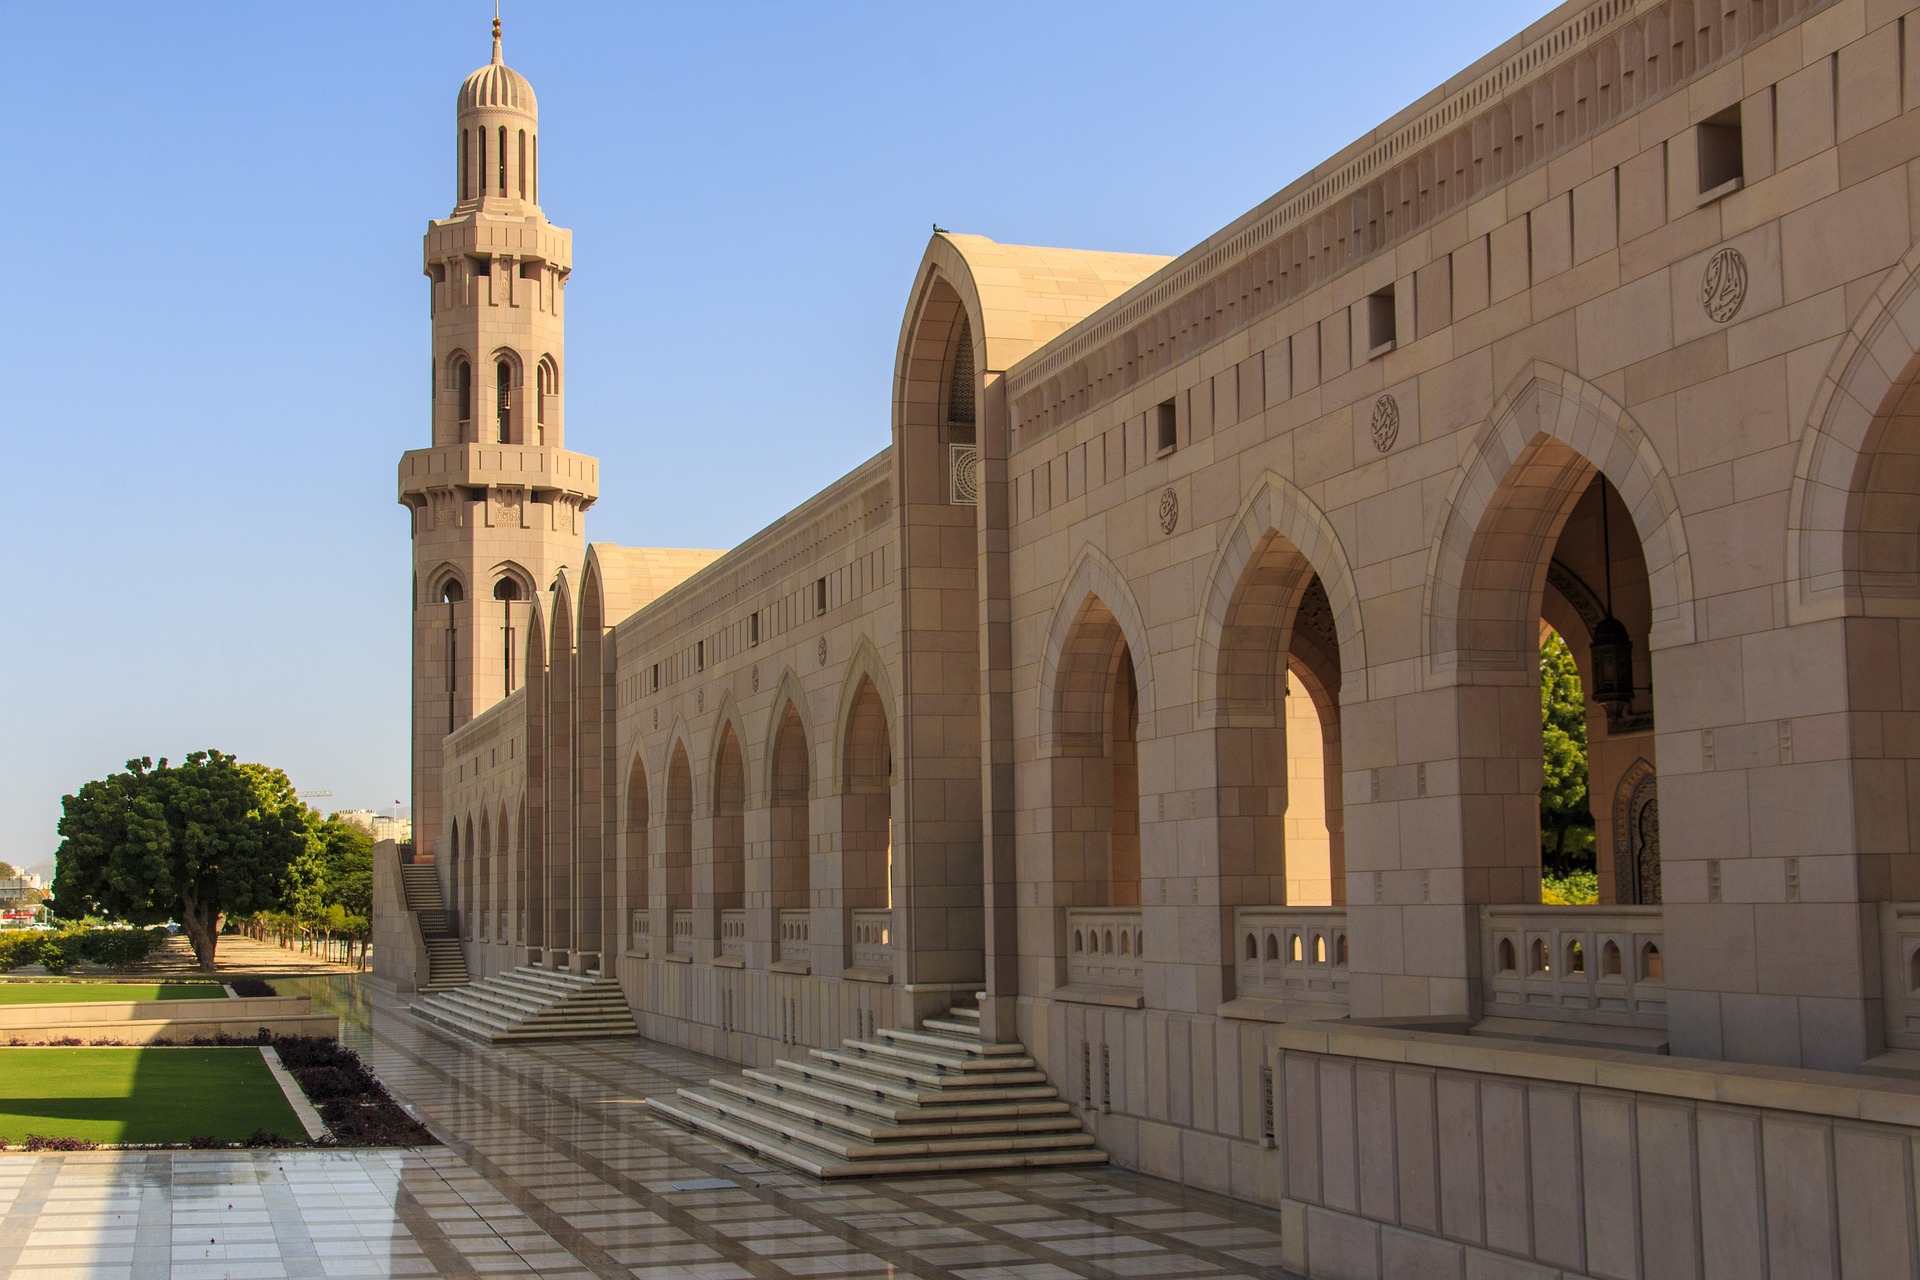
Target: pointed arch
{"x": 727, "y": 719}
{"x": 562, "y": 813}
{"x": 503, "y": 869}
{"x": 1853, "y": 512}
{"x": 676, "y": 827}
{"x": 439, "y": 578}
{"x": 789, "y": 800}
{"x": 1094, "y": 616}
{"x": 532, "y": 897}
{"x": 1519, "y": 480}
{"x": 637, "y": 813}
{"x": 786, "y": 694}
{"x": 727, "y": 808}
{"x": 864, "y": 669}
{"x": 1276, "y": 507}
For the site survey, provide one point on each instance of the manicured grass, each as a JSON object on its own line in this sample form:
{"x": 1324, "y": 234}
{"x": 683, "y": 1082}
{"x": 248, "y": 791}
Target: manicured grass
{"x": 76, "y": 992}
{"x": 140, "y": 1095}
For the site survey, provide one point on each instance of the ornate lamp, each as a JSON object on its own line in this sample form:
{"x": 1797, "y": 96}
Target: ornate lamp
{"x": 1611, "y": 647}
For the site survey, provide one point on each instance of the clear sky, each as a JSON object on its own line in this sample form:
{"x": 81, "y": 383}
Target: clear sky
{"x": 216, "y": 331}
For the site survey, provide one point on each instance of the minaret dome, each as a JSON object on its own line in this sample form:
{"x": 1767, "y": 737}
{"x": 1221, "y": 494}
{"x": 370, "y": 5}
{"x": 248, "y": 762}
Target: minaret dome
{"x": 498, "y": 121}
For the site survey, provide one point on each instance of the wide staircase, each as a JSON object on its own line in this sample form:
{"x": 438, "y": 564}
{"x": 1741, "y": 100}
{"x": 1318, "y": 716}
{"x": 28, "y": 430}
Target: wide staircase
{"x": 529, "y": 1003}
{"x": 936, "y": 1099}
{"x": 446, "y": 964}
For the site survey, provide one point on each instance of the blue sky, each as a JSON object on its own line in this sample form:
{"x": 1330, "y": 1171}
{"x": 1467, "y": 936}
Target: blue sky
{"x": 217, "y": 328}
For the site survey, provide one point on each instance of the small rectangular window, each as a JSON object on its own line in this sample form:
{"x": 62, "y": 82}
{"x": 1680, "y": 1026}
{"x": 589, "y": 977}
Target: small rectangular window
{"x": 656, "y": 679}
{"x": 699, "y": 655}
{"x": 819, "y": 596}
{"x": 1166, "y": 429}
{"x": 753, "y": 628}
{"x": 1381, "y": 331}
{"x": 1722, "y": 166}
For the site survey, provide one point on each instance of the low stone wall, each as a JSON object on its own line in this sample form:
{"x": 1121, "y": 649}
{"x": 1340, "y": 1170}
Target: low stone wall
{"x": 1395, "y": 1152}
{"x": 143, "y": 1021}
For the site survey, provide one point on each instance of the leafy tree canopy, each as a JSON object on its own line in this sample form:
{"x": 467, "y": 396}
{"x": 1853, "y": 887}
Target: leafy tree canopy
{"x": 1566, "y": 822}
{"x": 190, "y": 841}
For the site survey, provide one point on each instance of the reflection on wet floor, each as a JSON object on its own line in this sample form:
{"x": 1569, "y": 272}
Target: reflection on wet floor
{"x": 553, "y": 1169}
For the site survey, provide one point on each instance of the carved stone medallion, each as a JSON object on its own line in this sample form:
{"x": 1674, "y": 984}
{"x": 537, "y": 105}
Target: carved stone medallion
{"x": 700, "y": 700}
{"x": 756, "y": 679}
{"x": 963, "y": 472}
{"x": 656, "y": 718}
{"x": 1169, "y": 511}
{"x": 823, "y": 651}
{"x": 1386, "y": 423}
{"x": 1723, "y": 286}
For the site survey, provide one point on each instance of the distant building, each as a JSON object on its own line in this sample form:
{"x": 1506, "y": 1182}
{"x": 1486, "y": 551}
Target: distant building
{"x": 379, "y": 825}
{"x": 24, "y": 889}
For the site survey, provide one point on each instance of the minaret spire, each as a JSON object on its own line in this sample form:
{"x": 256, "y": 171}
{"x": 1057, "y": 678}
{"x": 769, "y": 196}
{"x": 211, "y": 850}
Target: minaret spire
{"x": 497, "y": 59}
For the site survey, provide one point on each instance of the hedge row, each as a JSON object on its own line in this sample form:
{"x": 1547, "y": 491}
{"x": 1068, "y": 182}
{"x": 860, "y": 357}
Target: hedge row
{"x": 59, "y": 951}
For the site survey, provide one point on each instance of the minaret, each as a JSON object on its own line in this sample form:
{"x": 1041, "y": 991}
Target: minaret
{"x": 497, "y": 501}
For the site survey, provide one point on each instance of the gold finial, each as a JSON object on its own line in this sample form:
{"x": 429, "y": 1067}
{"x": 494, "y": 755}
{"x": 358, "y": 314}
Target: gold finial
{"x": 496, "y": 32}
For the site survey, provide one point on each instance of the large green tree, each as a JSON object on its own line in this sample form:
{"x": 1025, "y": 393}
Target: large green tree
{"x": 1566, "y": 822}
{"x": 342, "y": 871}
{"x": 190, "y": 842}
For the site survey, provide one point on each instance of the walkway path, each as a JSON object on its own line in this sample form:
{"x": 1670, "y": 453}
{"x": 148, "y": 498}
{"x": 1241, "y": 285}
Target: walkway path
{"x": 553, "y": 1168}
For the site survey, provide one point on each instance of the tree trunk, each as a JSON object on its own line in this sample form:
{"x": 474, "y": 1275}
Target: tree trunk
{"x": 201, "y": 933}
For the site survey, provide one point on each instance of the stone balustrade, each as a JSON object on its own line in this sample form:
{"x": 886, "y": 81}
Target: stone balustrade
{"x": 1574, "y": 964}
{"x": 1291, "y": 953}
{"x": 733, "y": 933}
{"x": 794, "y": 937}
{"x": 682, "y": 942}
{"x": 642, "y": 937}
{"x": 1900, "y": 972}
{"x": 1104, "y": 947}
{"x": 873, "y": 938}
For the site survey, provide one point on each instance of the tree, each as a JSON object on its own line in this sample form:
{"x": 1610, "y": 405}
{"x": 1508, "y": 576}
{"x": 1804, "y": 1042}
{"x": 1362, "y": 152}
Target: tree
{"x": 1566, "y": 823}
{"x": 192, "y": 842}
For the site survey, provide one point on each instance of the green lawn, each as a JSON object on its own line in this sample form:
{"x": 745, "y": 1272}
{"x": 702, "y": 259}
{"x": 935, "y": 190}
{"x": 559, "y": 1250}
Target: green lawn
{"x": 76, "y": 992}
{"x": 140, "y": 1095}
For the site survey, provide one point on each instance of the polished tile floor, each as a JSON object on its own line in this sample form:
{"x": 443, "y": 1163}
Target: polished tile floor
{"x": 552, "y": 1168}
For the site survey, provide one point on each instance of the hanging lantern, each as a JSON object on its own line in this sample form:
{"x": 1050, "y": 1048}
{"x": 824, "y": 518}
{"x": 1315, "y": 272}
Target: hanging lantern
{"x": 1612, "y": 653}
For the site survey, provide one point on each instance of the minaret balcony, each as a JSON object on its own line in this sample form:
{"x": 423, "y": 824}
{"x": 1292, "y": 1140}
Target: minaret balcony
{"x": 481, "y": 466}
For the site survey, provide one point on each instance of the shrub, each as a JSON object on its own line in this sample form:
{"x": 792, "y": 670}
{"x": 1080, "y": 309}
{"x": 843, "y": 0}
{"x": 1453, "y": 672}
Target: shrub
{"x": 20, "y": 946}
{"x": 42, "y": 1142}
{"x": 261, "y": 1138}
{"x": 1576, "y": 888}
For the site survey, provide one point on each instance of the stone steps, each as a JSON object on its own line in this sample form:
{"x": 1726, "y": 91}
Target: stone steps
{"x": 446, "y": 962}
{"x": 930, "y": 1100}
{"x": 528, "y": 1003}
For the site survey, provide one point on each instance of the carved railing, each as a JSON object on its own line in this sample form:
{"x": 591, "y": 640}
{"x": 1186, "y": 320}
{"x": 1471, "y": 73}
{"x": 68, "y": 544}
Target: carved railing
{"x": 1574, "y": 964}
{"x": 733, "y": 933}
{"x": 1900, "y": 971}
{"x": 641, "y": 939}
{"x": 872, "y": 938}
{"x": 1291, "y": 953}
{"x": 1104, "y": 947}
{"x": 682, "y": 941}
{"x": 795, "y": 939}
{"x": 486, "y": 925}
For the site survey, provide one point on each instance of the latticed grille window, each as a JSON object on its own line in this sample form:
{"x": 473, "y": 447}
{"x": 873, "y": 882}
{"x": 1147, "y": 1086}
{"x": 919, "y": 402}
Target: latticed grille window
{"x": 960, "y": 389}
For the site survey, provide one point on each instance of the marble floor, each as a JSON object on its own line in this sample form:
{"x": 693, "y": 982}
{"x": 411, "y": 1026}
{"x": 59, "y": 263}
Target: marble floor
{"x": 553, "y": 1168}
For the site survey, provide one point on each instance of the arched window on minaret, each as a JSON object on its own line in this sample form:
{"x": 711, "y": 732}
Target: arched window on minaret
{"x": 463, "y": 388}
{"x": 503, "y": 160}
{"x": 480, "y": 135}
{"x": 466, "y": 168}
{"x": 547, "y": 384}
{"x": 523, "y": 164}
{"x": 536, "y": 168}
{"x": 503, "y": 400}
{"x": 507, "y": 592}
{"x": 452, "y": 593}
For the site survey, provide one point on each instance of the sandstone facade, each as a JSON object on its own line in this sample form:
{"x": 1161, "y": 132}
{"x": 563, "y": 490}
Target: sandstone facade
{"x": 1171, "y": 677}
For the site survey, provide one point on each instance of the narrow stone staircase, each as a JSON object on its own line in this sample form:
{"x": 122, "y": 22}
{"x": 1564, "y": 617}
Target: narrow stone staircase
{"x": 936, "y": 1099}
{"x": 446, "y": 963}
{"x": 529, "y": 1003}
